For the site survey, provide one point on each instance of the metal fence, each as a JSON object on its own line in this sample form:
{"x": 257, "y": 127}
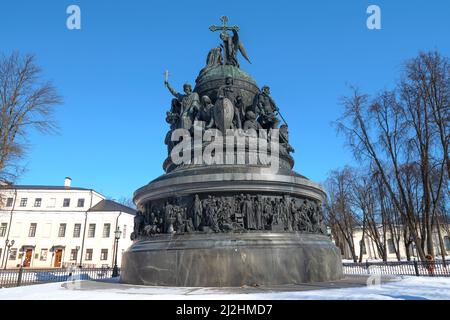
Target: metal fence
{"x": 83, "y": 265}
{"x": 405, "y": 268}
{"x": 25, "y": 276}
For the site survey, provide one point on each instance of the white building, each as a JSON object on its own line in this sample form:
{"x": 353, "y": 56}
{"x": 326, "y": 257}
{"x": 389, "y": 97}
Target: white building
{"x": 55, "y": 226}
{"x": 370, "y": 252}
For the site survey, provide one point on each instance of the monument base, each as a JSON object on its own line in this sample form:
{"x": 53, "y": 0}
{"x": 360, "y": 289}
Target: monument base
{"x": 231, "y": 259}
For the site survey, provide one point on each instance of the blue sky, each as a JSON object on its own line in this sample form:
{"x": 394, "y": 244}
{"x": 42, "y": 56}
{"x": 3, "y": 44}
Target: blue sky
{"x": 110, "y": 73}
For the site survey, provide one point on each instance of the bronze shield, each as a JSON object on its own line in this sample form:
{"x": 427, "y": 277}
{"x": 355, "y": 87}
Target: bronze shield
{"x": 223, "y": 114}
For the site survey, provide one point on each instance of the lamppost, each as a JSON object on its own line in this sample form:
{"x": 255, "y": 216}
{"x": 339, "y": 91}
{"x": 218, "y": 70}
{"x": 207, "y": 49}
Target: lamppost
{"x": 8, "y": 246}
{"x": 117, "y": 234}
{"x": 77, "y": 248}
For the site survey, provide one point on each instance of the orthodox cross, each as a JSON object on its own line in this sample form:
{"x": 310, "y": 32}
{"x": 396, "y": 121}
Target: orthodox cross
{"x": 224, "y": 26}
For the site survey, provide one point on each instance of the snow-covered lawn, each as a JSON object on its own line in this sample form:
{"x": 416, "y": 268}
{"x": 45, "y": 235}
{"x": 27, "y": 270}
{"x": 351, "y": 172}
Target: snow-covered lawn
{"x": 406, "y": 288}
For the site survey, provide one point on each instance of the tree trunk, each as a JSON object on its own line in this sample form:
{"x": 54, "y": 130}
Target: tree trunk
{"x": 361, "y": 247}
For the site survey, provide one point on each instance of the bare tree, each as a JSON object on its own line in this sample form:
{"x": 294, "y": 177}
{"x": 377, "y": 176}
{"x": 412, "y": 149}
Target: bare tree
{"x": 371, "y": 144}
{"x": 404, "y": 135}
{"x": 425, "y": 93}
{"x": 391, "y": 217}
{"x": 428, "y": 75}
{"x": 367, "y": 202}
{"x": 127, "y": 202}
{"x": 340, "y": 215}
{"x": 27, "y": 102}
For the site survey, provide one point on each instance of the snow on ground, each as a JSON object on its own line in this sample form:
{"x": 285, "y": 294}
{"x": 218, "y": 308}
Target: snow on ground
{"x": 407, "y": 288}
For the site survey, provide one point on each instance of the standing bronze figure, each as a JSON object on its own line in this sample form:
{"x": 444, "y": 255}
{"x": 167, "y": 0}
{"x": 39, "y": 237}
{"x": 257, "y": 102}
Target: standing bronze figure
{"x": 231, "y": 44}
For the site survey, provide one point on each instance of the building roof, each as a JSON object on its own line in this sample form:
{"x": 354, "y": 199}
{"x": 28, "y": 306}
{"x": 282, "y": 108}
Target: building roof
{"x": 37, "y": 187}
{"x": 109, "y": 205}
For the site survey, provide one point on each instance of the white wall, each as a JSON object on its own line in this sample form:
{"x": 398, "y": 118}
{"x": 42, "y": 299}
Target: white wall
{"x": 372, "y": 252}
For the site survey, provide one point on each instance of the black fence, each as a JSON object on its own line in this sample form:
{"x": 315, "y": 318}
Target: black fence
{"x": 25, "y": 276}
{"x": 437, "y": 268}
{"x": 83, "y": 265}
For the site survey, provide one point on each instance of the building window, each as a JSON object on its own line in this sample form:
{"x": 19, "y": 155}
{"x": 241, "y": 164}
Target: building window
{"x": 106, "y": 230}
{"x": 363, "y": 246}
{"x": 13, "y": 254}
{"x": 51, "y": 203}
{"x": 89, "y": 254}
{"x": 447, "y": 243}
{"x": 80, "y": 203}
{"x": 23, "y": 202}
{"x": 46, "y": 230}
{"x": 62, "y": 230}
{"x": 9, "y": 202}
{"x": 391, "y": 247}
{"x": 66, "y": 202}
{"x": 91, "y": 230}
{"x": 124, "y": 232}
{"x": 43, "y": 255}
{"x": 32, "y": 231}
{"x": 76, "y": 230}
{"x": 3, "y": 227}
{"x": 73, "y": 254}
{"x": 104, "y": 254}
{"x": 37, "y": 202}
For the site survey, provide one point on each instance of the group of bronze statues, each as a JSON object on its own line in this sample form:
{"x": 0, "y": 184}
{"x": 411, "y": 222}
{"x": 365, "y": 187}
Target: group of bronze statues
{"x": 230, "y": 103}
{"x": 225, "y": 107}
{"x": 188, "y": 110}
{"x": 231, "y": 213}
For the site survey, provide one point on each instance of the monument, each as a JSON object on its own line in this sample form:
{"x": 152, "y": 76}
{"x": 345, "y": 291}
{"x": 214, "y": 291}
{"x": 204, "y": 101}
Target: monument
{"x": 229, "y": 210}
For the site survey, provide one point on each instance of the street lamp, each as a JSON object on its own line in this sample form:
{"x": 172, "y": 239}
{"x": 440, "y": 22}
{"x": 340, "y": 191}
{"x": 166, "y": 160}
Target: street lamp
{"x": 117, "y": 234}
{"x": 77, "y": 248}
{"x": 8, "y": 246}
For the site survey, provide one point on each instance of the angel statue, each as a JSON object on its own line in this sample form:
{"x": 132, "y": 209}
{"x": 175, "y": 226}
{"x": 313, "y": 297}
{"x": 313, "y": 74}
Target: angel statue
{"x": 231, "y": 46}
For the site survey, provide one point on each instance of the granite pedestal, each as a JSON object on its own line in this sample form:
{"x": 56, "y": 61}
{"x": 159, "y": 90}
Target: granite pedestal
{"x": 234, "y": 259}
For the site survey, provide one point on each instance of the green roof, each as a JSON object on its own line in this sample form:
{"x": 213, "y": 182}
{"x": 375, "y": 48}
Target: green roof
{"x": 224, "y": 71}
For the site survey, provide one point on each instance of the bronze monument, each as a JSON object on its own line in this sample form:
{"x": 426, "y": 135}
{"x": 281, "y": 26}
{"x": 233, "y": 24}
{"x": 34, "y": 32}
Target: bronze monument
{"x": 228, "y": 218}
